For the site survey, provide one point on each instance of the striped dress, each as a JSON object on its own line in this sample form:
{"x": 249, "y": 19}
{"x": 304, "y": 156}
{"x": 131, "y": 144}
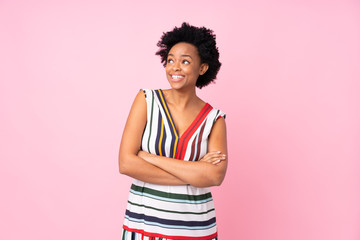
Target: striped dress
{"x": 182, "y": 212}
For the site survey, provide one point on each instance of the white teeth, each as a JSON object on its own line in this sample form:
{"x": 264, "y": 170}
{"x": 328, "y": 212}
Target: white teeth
{"x": 176, "y": 76}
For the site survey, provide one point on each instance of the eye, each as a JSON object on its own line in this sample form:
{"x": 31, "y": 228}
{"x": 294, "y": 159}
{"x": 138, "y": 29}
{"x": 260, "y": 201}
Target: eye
{"x": 170, "y": 60}
{"x": 186, "y": 62}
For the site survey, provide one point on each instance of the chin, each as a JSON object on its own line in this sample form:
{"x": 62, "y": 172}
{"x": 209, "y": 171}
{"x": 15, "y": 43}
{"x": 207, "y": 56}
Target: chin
{"x": 176, "y": 86}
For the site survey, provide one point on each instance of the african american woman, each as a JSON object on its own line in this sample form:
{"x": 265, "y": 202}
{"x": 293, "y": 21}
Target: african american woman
{"x": 174, "y": 145}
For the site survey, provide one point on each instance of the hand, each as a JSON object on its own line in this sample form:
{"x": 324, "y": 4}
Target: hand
{"x": 213, "y": 157}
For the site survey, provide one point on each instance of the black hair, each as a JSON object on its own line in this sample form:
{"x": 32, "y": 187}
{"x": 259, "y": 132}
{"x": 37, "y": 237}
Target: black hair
{"x": 203, "y": 39}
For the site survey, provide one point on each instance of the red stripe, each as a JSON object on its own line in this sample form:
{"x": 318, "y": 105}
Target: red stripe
{"x": 192, "y": 130}
{"x": 198, "y": 144}
{"x": 147, "y": 234}
{"x": 184, "y": 139}
{"x": 180, "y": 153}
{"x": 218, "y": 117}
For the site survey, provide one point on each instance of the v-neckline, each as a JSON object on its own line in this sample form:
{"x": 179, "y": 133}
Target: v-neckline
{"x": 193, "y": 121}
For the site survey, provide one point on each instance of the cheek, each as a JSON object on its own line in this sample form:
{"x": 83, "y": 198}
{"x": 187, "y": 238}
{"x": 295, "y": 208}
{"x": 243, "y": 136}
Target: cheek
{"x": 167, "y": 69}
{"x": 189, "y": 69}
{"x": 194, "y": 71}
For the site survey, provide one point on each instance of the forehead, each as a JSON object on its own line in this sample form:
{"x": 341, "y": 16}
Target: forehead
{"x": 183, "y": 48}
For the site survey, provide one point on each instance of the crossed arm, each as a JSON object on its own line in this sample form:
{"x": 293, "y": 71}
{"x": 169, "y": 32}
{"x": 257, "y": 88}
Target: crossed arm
{"x": 209, "y": 171}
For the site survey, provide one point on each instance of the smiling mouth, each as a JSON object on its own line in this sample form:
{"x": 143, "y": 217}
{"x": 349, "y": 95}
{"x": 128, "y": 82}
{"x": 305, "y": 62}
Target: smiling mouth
{"x": 176, "y": 77}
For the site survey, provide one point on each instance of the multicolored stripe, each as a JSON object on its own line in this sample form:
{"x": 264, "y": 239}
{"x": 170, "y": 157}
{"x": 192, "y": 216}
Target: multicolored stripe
{"x": 175, "y": 136}
{"x": 172, "y": 212}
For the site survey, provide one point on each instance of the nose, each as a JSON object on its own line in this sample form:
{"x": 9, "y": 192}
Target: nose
{"x": 176, "y": 66}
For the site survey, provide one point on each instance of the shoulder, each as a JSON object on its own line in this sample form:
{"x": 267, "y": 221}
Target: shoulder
{"x": 217, "y": 135}
{"x": 138, "y": 111}
{"x": 140, "y": 100}
{"x": 216, "y": 113}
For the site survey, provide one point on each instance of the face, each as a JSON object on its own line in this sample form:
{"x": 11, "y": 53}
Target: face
{"x": 184, "y": 66}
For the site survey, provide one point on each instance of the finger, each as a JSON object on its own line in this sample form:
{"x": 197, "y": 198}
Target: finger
{"x": 213, "y": 154}
{"x": 217, "y": 156}
{"x": 216, "y": 160}
{"x": 213, "y": 158}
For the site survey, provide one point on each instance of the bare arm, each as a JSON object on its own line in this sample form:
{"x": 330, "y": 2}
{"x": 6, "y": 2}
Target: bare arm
{"x": 201, "y": 173}
{"x": 129, "y": 163}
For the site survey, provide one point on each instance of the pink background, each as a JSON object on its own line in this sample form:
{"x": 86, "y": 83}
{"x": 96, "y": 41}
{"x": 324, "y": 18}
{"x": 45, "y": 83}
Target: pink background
{"x": 290, "y": 84}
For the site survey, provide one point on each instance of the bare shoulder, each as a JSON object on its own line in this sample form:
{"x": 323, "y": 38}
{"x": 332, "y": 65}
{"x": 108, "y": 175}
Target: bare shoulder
{"x": 139, "y": 102}
{"x": 217, "y": 137}
{"x": 141, "y": 96}
{"x": 219, "y": 126}
{"x": 138, "y": 111}
{"x": 134, "y": 126}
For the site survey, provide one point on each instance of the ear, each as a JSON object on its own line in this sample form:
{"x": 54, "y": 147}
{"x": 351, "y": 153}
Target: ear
{"x": 203, "y": 68}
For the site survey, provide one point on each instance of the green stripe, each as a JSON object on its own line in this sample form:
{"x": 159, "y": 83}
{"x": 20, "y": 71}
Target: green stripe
{"x": 124, "y": 234}
{"x": 171, "y": 195}
{"x": 162, "y": 210}
{"x": 216, "y": 116}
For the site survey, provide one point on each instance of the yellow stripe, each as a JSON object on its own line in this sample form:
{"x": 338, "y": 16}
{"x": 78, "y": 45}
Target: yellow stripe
{"x": 175, "y": 146}
{"x": 168, "y": 114}
{"x": 161, "y": 136}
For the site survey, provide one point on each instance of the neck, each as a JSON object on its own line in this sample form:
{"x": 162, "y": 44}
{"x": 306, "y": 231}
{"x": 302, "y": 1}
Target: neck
{"x": 182, "y": 99}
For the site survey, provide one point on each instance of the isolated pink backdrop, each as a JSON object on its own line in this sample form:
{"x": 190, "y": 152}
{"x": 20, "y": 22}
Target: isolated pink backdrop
{"x": 289, "y": 83}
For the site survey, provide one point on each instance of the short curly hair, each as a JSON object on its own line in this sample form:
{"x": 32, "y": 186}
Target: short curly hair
{"x": 203, "y": 39}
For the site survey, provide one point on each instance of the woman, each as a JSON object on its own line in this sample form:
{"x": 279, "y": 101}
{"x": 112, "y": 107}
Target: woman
{"x": 174, "y": 145}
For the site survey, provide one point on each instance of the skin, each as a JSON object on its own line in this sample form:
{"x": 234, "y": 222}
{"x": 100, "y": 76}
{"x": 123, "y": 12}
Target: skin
{"x": 184, "y": 105}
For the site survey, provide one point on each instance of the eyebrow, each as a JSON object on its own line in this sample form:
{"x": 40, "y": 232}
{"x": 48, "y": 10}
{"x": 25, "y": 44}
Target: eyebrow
{"x": 184, "y": 55}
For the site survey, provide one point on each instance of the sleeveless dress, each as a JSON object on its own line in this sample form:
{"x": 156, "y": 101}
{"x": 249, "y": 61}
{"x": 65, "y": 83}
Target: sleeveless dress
{"x": 184, "y": 212}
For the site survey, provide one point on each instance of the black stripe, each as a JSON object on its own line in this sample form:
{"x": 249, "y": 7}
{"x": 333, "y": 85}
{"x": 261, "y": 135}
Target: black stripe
{"x": 170, "y": 221}
{"x": 151, "y": 119}
{"x": 158, "y": 133}
{"x": 169, "y": 211}
{"x": 163, "y": 142}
